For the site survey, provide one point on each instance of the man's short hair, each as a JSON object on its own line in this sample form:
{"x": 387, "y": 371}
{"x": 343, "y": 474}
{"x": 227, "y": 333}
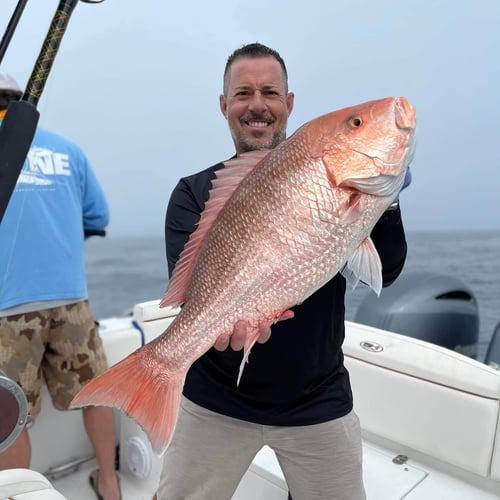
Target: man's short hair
{"x": 253, "y": 50}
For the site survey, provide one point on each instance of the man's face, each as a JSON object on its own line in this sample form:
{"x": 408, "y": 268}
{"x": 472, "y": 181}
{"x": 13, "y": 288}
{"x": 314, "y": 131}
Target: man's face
{"x": 256, "y": 104}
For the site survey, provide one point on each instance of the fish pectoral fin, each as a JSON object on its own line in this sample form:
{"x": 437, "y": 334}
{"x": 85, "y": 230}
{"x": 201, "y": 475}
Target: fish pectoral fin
{"x": 353, "y": 211}
{"x": 364, "y": 265}
{"x": 252, "y": 337}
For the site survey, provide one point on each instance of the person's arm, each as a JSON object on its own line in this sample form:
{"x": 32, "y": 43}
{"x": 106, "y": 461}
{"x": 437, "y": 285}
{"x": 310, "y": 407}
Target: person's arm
{"x": 95, "y": 208}
{"x": 183, "y": 213}
{"x": 388, "y": 235}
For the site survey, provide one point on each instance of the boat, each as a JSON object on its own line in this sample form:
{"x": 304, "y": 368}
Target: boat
{"x": 430, "y": 419}
{"x": 430, "y": 415}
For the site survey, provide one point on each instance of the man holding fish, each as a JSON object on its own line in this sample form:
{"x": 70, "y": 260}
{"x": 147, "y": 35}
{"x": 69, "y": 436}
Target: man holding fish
{"x": 294, "y": 395}
{"x": 271, "y": 236}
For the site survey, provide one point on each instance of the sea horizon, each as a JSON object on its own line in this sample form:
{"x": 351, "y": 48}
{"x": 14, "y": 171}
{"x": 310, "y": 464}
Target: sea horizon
{"x": 125, "y": 270}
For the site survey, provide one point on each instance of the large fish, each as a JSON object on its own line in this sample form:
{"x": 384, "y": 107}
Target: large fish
{"x": 277, "y": 226}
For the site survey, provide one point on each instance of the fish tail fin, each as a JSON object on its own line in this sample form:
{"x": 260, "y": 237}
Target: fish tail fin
{"x": 148, "y": 392}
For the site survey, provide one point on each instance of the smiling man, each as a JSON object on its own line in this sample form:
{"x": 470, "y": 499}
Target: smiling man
{"x": 295, "y": 395}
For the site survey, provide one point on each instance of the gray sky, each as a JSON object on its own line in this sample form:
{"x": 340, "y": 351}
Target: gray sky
{"x": 136, "y": 83}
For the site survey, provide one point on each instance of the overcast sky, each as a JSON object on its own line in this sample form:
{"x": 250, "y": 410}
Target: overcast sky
{"x": 136, "y": 83}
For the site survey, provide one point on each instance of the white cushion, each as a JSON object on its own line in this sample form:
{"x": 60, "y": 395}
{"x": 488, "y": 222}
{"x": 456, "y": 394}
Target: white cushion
{"x": 425, "y": 397}
{"x": 26, "y": 484}
{"x": 423, "y": 360}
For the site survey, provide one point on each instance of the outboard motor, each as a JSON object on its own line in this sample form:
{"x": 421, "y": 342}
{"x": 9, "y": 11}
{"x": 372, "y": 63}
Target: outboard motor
{"x": 493, "y": 354}
{"x": 436, "y": 308}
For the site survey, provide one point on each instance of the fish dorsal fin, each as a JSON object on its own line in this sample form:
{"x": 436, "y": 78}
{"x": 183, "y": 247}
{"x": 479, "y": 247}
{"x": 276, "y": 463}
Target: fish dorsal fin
{"x": 223, "y": 186}
{"x": 228, "y": 179}
{"x": 364, "y": 265}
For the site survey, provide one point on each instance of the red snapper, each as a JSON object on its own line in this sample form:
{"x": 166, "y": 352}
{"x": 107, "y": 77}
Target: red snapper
{"x": 277, "y": 226}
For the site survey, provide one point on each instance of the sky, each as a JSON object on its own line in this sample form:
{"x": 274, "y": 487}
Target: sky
{"x": 137, "y": 84}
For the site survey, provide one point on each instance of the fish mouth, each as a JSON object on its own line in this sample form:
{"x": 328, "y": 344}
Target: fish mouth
{"x": 404, "y": 113}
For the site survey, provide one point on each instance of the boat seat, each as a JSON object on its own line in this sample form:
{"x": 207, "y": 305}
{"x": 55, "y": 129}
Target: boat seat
{"x": 423, "y": 396}
{"x": 26, "y": 484}
{"x": 153, "y": 319}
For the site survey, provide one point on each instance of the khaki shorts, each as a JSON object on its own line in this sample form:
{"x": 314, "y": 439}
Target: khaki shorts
{"x": 62, "y": 343}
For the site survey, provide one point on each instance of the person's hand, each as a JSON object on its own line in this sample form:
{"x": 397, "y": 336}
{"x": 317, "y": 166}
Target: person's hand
{"x": 237, "y": 339}
{"x": 407, "y": 180}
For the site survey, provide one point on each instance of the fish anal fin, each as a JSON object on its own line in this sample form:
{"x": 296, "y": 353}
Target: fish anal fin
{"x": 364, "y": 265}
{"x": 223, "y": 186}
{"x": 151, "y": 399}
{"x": 252, "y": 336}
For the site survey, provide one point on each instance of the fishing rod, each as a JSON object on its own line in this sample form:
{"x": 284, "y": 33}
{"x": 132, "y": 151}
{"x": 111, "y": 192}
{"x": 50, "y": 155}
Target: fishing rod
{"x": 11, "y": 27}
{"x": 21, "y": 119}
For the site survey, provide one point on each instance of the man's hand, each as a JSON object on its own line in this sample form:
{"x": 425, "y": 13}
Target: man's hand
{"x": 237, "y": 339}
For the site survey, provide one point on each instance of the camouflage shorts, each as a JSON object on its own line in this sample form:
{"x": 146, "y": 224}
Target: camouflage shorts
{"x": 62, "y": 343}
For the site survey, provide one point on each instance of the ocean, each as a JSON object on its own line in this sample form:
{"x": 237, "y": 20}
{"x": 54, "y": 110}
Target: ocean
{"x": 124, "y": 271}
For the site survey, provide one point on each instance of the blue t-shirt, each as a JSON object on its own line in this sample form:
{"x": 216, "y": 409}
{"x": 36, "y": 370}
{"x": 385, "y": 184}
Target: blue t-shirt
{"x": 57, "y": 197}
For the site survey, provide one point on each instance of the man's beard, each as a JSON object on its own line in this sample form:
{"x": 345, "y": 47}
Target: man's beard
{"x": 246, "y": 144}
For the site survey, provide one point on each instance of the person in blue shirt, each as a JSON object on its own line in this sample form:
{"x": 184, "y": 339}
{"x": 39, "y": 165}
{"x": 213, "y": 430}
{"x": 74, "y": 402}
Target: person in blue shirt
{"x": 46, "y": 325}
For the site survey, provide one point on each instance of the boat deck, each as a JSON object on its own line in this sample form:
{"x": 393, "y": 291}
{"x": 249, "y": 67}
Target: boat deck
{"x": 385, "y": 479}
{"x": 414, "y": 399}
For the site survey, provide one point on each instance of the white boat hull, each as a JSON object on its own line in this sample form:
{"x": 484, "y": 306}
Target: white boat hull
{"x": 430, "y": 420}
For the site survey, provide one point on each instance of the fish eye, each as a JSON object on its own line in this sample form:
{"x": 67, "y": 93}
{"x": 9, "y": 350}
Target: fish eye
{"x": 354, "y": 121}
